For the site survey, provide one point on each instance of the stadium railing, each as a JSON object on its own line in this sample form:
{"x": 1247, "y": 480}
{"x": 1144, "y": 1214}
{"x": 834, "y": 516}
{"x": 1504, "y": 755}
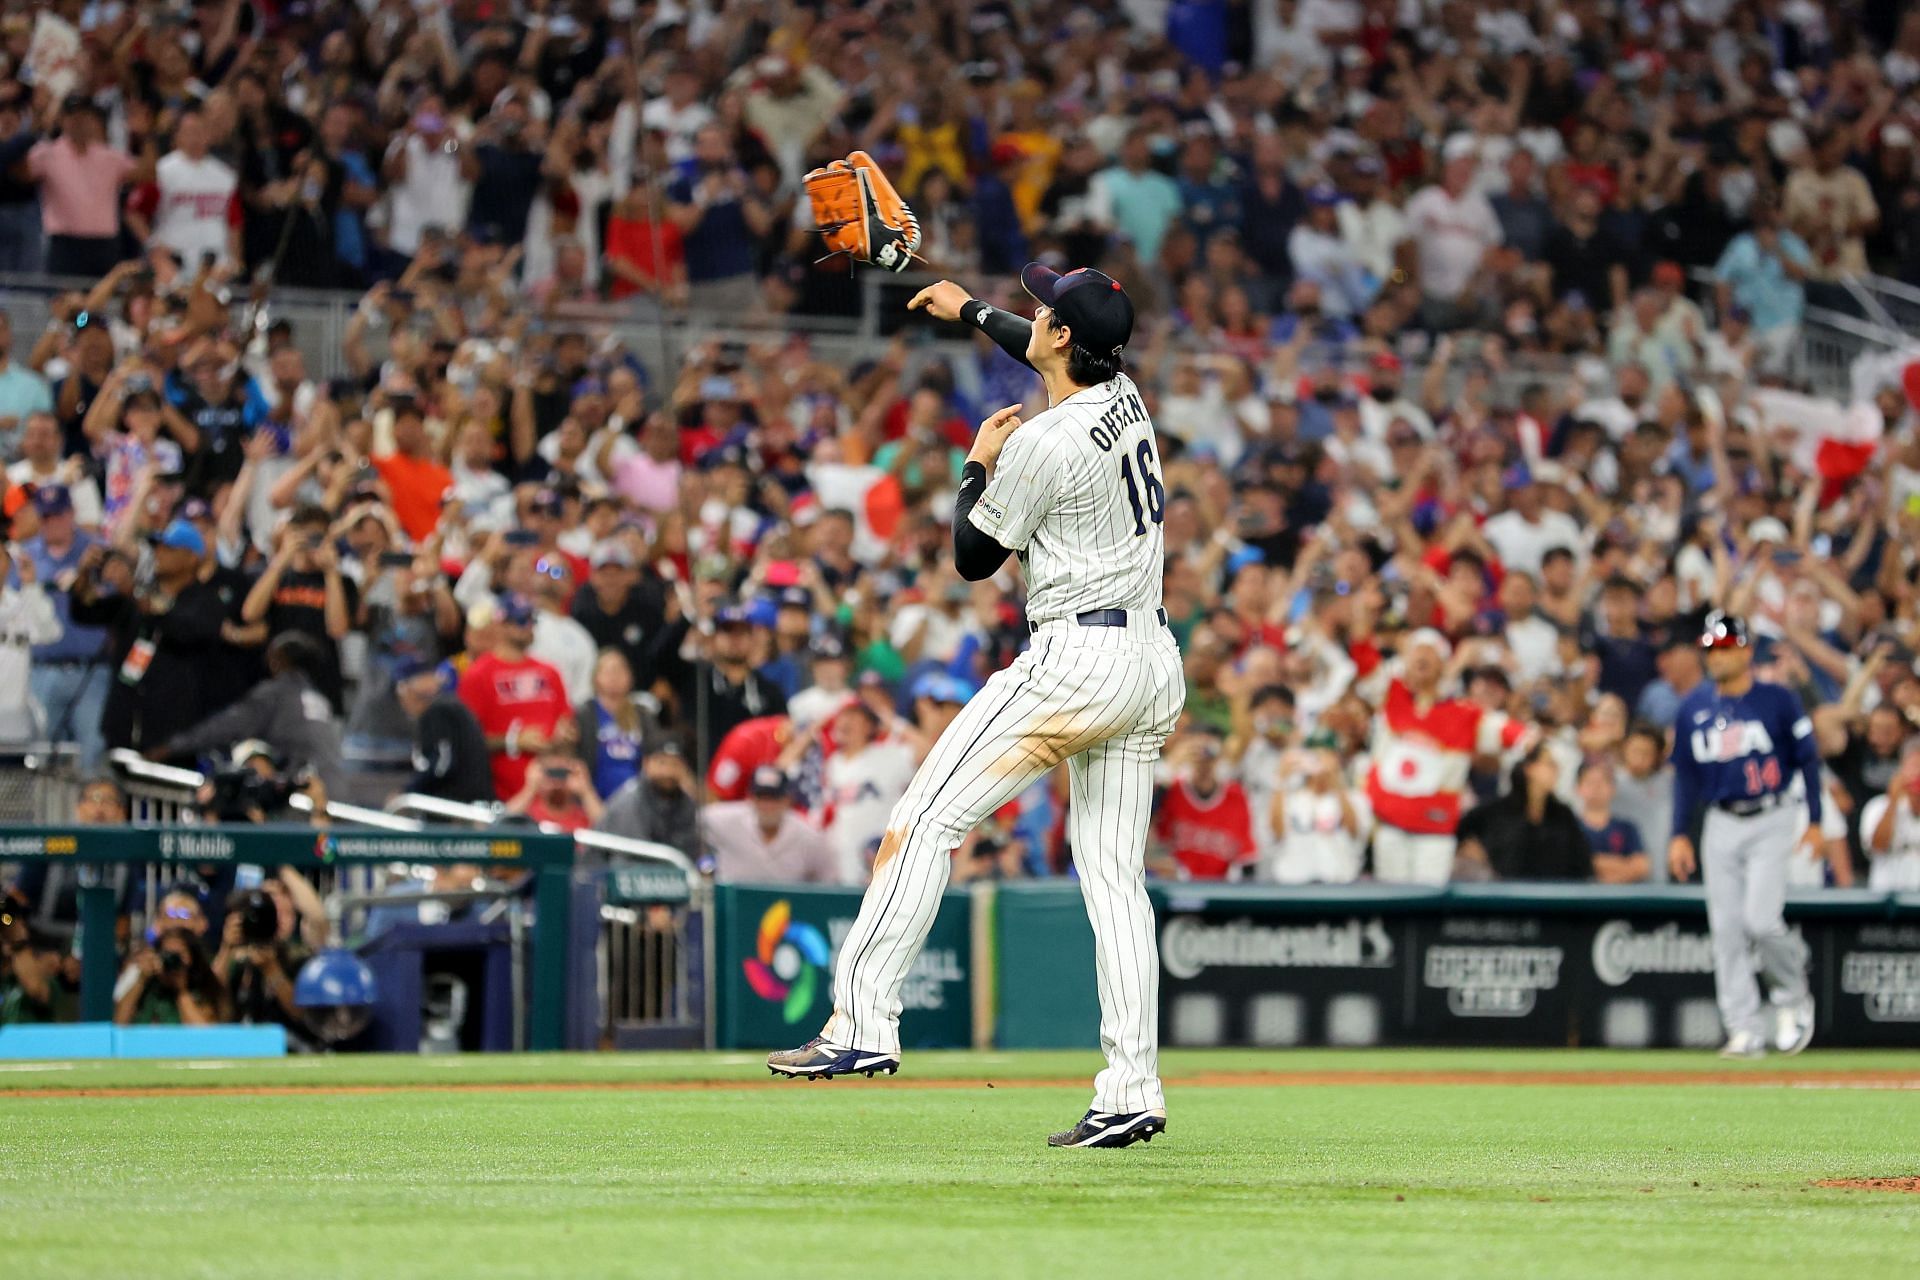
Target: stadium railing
{"x": 649, "y": 905}
{"x": 39, "y": 781}
{"x": 654, "y": 939}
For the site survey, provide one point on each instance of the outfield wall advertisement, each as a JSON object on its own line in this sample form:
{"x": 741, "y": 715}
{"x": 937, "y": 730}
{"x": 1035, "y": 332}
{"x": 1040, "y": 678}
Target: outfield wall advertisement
{"x": 1280, "y": 970}
{"x": 777, "y": 949}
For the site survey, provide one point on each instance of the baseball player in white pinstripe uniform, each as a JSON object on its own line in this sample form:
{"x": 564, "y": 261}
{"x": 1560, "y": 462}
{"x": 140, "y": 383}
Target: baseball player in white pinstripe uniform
{"x": 1076, "y": 494}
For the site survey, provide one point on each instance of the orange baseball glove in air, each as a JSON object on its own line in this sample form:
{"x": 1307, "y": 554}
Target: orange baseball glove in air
{"x": 856, "y": 208}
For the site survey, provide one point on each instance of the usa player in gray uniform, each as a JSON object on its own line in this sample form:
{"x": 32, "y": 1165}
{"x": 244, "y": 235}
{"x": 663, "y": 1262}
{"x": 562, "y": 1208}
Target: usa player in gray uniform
{"x": 1076, "y": 494}
{"x": 1737, "y": 746}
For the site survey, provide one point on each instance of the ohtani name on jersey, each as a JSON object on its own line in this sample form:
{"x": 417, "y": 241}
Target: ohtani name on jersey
{"x": 1125, "y": 412}
{"x": 1720, "y": 743}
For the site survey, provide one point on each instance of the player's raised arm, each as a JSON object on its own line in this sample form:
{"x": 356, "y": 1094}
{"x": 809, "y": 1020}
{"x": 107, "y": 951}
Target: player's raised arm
{"x": 948, "y": 301}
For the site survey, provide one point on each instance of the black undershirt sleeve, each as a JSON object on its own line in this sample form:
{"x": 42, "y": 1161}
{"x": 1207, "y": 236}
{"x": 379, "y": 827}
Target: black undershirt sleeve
{"x": 975, "y": 554}
{"x": 1008, "y": 331}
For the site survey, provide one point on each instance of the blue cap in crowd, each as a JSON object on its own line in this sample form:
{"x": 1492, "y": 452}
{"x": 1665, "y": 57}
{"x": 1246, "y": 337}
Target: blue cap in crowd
{"x": 52, "y": 500}
{"x": 941, "y": 687}
{"x": 516, "y": 610}
{"x": 412, "y": 664}
{"x": 182, "y": 537}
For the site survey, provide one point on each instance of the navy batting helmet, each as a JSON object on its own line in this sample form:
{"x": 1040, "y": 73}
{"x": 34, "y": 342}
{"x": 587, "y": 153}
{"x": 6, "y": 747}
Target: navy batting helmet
{"x": 1724, "y": 631}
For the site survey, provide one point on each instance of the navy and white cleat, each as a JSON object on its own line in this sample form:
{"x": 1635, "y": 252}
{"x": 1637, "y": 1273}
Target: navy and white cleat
{"x": 821, "y": 1059}
{"x": 1111, "y": 1129}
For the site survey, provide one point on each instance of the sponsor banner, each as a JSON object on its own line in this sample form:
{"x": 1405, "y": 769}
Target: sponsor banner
{"x": 278, "y": 844}
{"x": 1652, "y": 984}
{"x": 1871, "y": 989}
{"x": 644, "y": 885}
{"x": 775, "y": 957}
{"x": 1496, "y": 979}
{"x": 1279, "y": 981}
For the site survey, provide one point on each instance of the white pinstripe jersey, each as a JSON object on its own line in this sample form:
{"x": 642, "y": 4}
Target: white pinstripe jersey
{"x": 1077, "y": 493}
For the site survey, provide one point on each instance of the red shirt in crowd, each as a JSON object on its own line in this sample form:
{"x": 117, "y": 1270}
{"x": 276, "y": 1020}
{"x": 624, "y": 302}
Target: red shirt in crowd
{"x": 633, "y": 241}
{"x": 1210, "y": 835}
{"x": 503, "y": 696}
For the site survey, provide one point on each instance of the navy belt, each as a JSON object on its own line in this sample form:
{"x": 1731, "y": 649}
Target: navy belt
{"x": 1748, "y": 808}
{"x": 1101, "y": 618}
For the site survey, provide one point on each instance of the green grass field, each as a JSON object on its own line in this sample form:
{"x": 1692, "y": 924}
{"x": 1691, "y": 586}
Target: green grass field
{"x": 375, "y": 1167}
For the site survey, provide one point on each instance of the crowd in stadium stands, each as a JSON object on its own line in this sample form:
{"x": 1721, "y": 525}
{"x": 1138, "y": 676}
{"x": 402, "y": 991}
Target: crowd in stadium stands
{"x": 1472, "y": 330}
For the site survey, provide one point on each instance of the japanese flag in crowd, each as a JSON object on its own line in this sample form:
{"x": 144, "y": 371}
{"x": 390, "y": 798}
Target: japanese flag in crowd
{"x": 53, "y": 55}
{"x": 1832, "y": 440}
{"x": 871, "y": 494}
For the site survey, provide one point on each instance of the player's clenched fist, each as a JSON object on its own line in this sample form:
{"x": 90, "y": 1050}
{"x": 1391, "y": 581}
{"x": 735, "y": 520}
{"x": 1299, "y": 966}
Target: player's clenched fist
{"x": 993, "y": 436}
{"x": 942, "y": 301}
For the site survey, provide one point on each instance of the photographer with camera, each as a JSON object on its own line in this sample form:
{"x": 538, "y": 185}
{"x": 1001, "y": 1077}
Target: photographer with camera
{"x": 171, "y": 985}
{"x": 161, "y": 626}
{"x": 269, "y": 933}
{"x": 34, "y": 972}
{"x": 249, "y": 787}
{"x": 287, "y": 712}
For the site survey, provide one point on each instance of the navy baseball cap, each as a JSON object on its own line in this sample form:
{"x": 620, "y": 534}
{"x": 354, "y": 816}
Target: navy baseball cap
{"x": 1724, "y": 631}
{"x": 516, "y": 610}
{"x": 1090, "y": 303}
{"x": 733, "y": 615}
{"x": 769, "y": 781}
{"x": 52, "y": 500}
{"x": 411, "y": 665}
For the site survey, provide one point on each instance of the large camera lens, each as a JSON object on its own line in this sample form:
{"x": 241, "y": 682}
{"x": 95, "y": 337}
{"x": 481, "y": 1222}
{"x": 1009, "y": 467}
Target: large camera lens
{"x": 259, "y": 919}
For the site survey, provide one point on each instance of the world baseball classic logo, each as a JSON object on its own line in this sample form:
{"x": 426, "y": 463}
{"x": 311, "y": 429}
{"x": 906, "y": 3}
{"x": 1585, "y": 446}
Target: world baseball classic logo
{"x": 788, "y": 961}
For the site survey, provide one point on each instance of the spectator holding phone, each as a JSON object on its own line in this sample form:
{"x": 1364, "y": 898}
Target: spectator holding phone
{"x": 303, "y": 590}
{"x": 558, "y": 792}
{"x": 80, "y": 176}
{"x": 413, "y": 474}
{"x": 124, "y": 424}
{"x": 520, "y": 701}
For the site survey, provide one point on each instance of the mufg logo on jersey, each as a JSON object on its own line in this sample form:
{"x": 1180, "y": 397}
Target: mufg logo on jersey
{"x": 1725, "y": 740}
{"x": 787, "y": 962}
{"x": 1493, "y": 982}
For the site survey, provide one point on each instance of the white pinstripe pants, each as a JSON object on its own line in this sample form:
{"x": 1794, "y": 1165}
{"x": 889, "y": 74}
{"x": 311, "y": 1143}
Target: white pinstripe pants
{"x": 1102, "y": 699}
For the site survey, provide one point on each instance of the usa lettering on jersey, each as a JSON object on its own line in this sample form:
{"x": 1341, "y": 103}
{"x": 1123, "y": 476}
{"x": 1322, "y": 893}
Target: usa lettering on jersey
{"x": 1725, "y": 741}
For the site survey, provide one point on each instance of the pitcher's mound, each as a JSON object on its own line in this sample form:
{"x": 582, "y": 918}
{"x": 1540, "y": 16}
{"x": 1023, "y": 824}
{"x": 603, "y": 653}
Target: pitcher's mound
{"x": 1873, "y": 1184}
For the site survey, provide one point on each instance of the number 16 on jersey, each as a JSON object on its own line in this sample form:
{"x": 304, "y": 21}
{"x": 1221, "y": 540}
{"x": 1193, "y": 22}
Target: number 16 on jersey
{"x": 1156, "y": 504}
